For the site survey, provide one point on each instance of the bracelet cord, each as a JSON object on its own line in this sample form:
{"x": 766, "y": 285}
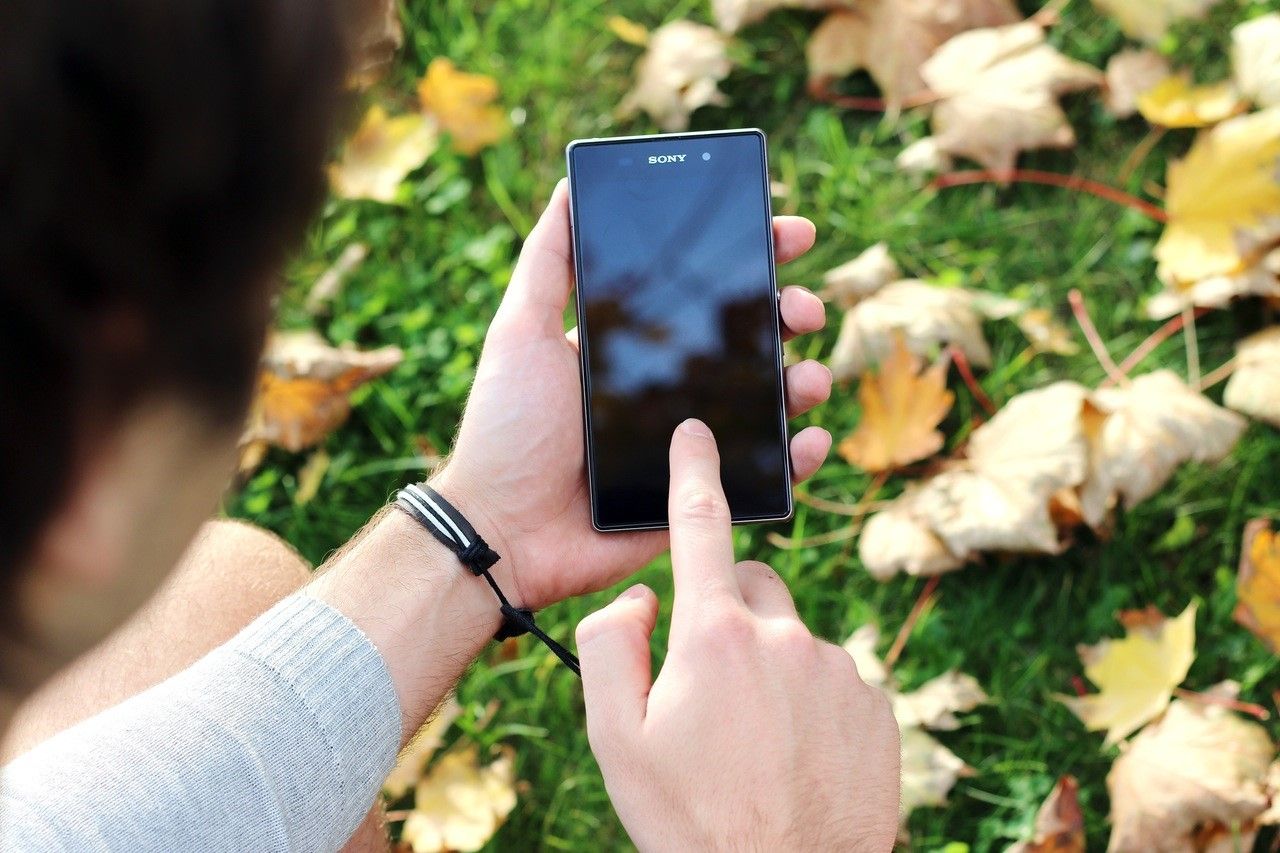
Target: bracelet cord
{"x": 431, "y": 510}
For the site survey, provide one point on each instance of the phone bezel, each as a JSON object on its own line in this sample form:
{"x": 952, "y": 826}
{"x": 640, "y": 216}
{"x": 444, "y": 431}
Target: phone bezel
{"x": 583, "y": 343}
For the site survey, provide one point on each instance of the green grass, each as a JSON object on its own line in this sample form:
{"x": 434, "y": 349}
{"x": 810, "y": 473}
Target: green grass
{"x": 437, "y": 268}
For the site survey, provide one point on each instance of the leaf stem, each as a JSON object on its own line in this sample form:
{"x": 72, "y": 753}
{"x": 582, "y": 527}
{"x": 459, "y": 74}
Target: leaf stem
{"x": 820, "y": 90}
{"x": 856, "y": 510}
{"x": 971, "y": 382}
{"x": 1052, "y": 179}
{"x": 1213, "y": 377}
{"x": 1193, "y": 346}
{"x": 1114, "y": 373}
{"x": 1249, "y": 708}
{"x": 923, "y": 600}
{"x": 1153, "y": 340}
{"x": 840, "y": 534}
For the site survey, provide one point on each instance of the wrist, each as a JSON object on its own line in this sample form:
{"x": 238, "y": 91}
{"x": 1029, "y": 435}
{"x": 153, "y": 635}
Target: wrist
{"x": 479, "y": 509}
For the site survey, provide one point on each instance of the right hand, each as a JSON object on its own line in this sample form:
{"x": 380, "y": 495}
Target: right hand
{"x": 756, "y": 735}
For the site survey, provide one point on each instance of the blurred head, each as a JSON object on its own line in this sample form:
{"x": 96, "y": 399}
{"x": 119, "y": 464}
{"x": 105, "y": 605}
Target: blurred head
{"x": 157, "y": 161}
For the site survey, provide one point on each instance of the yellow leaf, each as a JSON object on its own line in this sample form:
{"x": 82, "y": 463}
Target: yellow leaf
{"x": 1255, "y": 59}
{"x": 1149, "y": 20}
{"x": 902, "y": 406}
{"x": 893, "y": 38}
{"x": 1223, "y": 200}
{"x": 463, "y": 105}
{"x": 1059, "y": 823}
{"x": 628, "y": 30}
{"x": 303, "y": 386}
{"x": 1198, "y": 766}
{"x": 381, "y": 153}
{"x": 1258, "y": 585}
{"x": 998, "y": 91}
{"x": 1176, "y": 102}
{"x": 1254, "y": 387}
{"x": 460, "y": 804}
{"x": 310, "y": 477}
{"x": 1129, "y": 74}
{"x": 1045, "y": 333}
{"x": 411, "y": 764}
{"x": 1135, "y": 675}
{"x": 678, "y": 74}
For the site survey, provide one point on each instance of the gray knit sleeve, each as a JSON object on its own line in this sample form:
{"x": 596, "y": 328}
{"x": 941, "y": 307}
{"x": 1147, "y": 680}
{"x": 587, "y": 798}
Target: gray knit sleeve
{"x": 277, "y": 740}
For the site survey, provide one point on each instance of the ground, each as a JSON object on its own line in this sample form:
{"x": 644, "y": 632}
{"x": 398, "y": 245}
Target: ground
{"x": 437, "y": 268}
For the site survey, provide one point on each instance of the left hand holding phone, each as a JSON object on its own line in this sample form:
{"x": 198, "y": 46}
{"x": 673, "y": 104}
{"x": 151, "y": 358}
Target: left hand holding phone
{"x": 517, "y": 469}
{"x": 755, "y": 735}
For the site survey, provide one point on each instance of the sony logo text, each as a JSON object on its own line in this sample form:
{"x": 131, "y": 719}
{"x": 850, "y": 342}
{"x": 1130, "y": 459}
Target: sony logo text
{"x": 667, "y": 158}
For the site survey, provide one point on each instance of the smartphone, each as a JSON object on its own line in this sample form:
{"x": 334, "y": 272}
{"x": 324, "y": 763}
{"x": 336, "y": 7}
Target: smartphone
{"x": 678, "y": 317}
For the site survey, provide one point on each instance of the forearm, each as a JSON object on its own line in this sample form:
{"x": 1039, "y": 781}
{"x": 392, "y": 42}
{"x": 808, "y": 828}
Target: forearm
{"x": 426, "y": 614}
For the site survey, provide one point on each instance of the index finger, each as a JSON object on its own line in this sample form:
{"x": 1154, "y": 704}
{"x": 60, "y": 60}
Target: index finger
{"x": 701, "y": 535}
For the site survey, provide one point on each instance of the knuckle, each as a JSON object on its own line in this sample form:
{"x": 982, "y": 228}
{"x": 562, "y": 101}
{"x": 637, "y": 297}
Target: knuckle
{"x": 729, "y": 629}
{"x": 703, "y": 504}
{"x": 793, "y": 639}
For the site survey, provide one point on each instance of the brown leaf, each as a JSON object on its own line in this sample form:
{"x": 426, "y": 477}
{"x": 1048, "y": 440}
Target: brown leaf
{"x": 1258, "y": 583}
{"x": 731, "y": 15}
{"x": 893, "y": 38}
{"x": 463, "y": 105}
{"x": 678, "y": 74}
{"x": 902, "y": 406}
{"x": 1199, "y": 764}
{"x": 998, "y": 91}
{"x": 1129, "y": 74}
{"x": 1059, "y": 823}
{"x": 329, "y": 284}
{"x": 374, "y": 35}
{"x": 381, "y": 153}
{"x": 303, "y": 387}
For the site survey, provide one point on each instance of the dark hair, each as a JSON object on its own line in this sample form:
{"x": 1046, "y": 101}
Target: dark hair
{"x": 158, "y": 158}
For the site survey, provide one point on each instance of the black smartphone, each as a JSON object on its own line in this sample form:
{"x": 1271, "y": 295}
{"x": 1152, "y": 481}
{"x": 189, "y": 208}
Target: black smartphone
{"x": 677, "y": 318}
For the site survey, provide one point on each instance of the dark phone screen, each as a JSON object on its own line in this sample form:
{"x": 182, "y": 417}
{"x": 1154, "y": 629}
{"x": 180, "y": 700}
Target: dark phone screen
{"x": 679, "y": 319}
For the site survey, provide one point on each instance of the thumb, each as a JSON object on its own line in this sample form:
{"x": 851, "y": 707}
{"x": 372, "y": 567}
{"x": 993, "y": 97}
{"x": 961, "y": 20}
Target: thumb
{"x": 543, "y": 277}
{"x": 613, "y": 648}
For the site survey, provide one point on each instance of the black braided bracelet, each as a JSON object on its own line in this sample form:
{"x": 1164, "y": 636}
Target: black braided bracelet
{"x": 429, "y": 508}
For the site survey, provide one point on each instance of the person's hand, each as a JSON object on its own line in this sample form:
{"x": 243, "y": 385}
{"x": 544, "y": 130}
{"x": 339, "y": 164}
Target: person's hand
{"x": 755, "y": 736}
{"x": 517, "y": 469}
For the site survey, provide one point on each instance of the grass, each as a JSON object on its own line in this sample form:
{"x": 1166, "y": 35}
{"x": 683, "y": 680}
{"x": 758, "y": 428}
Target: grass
{"x": 437, "y": 267}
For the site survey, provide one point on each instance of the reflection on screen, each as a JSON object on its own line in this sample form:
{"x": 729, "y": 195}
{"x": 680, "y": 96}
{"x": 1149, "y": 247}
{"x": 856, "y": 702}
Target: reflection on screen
{"x": 679, "y": 320}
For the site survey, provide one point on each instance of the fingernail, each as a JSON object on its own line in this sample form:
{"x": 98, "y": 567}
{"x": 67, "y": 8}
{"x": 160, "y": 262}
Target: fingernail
{"x": 696, "y": 428}
{"x": 830, "y": 375}
{"x": 637, "y": 591}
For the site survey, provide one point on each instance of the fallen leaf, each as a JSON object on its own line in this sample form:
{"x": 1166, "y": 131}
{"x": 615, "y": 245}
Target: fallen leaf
{"x": 303, "y": 386}
{"x": 925, "y": 315}
{"x": 1255, "y": 59}
{"x": 902, "y": 405}
{"x": 998, "y": 90}
{"x": 861, "y": 646}
{"x": 678, "y": 74}
{"x": 998, "y": 498}
{"x": 412, "y": 762}
{"x": 923, "y": 157}
{"x": 1200, "y": 764}
{"x": 732, "y": 15}
{"x": 460, "y": 804}
{"x": 1129, "y": 74}
{"x": 1135, "y": 675}
{"x": 1217, "y": 291}
{"x": 1045, "y": 333}
{"x": 1254, "y": 387}
{"x": 934, "y": 704}
{"x": 1059, "y": 823}
{"x": 893, "y": 38}
{"x": 929, "y": 771}
{"x": 1223, "y": 201}
{"x": 463, "y": 104}
{"x": 897, "y": 540}
{"x": 1258, "y": 583}
{"x": 859, "y": 278}
{"x": 1149, "y": 20}
{"x": 1146, "y": 430}
{"x": 329, "y": 284}
{"x": 374, "y": 35}
{"x": 628, "y": 30}
{"x": 310, "y": 477}
{"x": 1177, "y": 102}
{"x": 381, "y": 153}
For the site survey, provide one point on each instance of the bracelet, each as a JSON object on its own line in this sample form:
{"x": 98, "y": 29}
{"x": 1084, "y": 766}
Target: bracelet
{"x": 430, "y": 509}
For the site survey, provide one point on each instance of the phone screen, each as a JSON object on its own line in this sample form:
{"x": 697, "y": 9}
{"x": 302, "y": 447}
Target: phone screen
{"x": 678, "y": 318}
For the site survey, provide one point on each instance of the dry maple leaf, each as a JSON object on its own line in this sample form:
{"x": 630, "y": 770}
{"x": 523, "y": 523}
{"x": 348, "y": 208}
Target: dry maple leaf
{"x": 303, "y": 388}
{"x": 381, "y": 152}
{"x": 1045, "y": 333}
{"x": 1149, "y": 20}
{"x": 374, "y": 35}
{"x": 463, "y": 104}
{"x": 732, "y": 15}
{"x": 1258, "y": 583}
{"x": 1223, "y": 201}
{"x": 1198, "y": 765}
{"x": 1059, "y": 823}
{"x": 923, "y": 157}
{"x": 893, "y": 38}
{"x": 896, "y": 540}
{"x": 1255, "y": 59}
{"x": 902, "y": 406}
{"x": 412, "y": 762}
{"x": 859, "y": 278}
{"x": 460, "y": 804}
{"x": 1135, "y": 675}
{"x": 1254, "y": 387}
{"x": 1140, "y": 435}
{"x": 925, "y": 315}
{"x": 1129, "y": 74}
{"x": 934, "y": 704}
{"x": 998, "y": 90}
{"x": 1177, "y": 102}
{"x": 1217, "y": 291}
{"x": 678, "y": 74}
